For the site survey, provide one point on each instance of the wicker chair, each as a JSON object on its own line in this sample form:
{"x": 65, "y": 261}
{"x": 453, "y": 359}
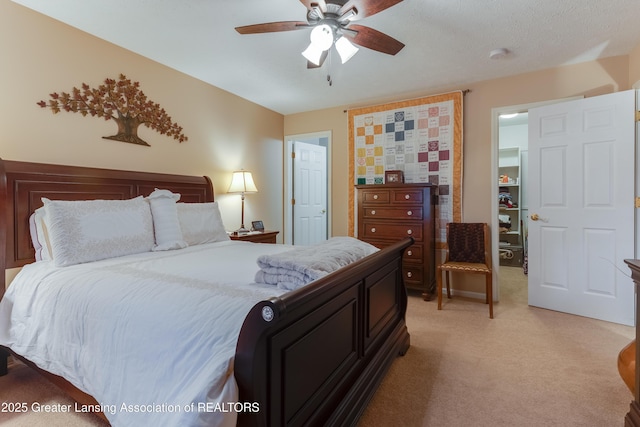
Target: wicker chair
{"x": 468, "y": 250}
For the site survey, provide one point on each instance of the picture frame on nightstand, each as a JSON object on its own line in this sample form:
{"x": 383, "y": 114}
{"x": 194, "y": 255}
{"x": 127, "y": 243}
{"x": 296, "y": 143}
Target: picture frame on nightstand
{"x": 394, "y": 177}
{"x": 257, "y": 226}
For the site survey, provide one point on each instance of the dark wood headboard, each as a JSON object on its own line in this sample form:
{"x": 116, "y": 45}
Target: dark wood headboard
{"x": 23, "y": 184}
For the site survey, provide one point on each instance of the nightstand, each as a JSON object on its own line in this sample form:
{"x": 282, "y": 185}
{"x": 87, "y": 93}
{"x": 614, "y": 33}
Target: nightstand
{"x": 266, "y": 236}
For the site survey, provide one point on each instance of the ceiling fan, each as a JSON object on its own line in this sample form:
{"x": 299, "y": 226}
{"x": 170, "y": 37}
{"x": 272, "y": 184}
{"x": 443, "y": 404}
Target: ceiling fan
{"x": 331, "y": 24}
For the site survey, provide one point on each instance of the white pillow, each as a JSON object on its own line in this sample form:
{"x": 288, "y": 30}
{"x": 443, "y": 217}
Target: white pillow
{"x": 165, "y": 220}
{"x": 90, "y": 230}
{"x": 201, "y": 223}
{"x": 39, "y": 236}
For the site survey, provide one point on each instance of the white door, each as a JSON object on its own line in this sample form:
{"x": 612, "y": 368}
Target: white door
{"x": 309, "y": 193}
{"x": 581, "y": 206}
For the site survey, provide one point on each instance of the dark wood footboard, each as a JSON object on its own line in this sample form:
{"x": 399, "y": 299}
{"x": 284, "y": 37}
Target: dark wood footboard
{"x": 315, "y": 356}
{"x": 4, "y": 361}
{"x": 632, "y": 419}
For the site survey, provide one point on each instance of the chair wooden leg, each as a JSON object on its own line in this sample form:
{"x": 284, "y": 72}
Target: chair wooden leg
{"x": 439, "y": 286}
{"x": 447, "y": 273}
{"x": 486, "y": 292}
{"x": 490, "y": 294}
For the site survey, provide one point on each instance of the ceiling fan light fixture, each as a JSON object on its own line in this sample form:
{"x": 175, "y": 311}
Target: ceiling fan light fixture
{"x": 329, "y": 21}
{"x": 317, "y": 11}
{"x": 345, "y": 49}
{"x": 313, "y": 54}
{"x": 347, "y": 16}
{"x": 322, "y": 37}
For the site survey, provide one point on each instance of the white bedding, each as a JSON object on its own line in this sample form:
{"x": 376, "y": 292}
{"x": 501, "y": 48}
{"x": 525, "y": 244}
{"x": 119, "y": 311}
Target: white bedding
{"x": 156, "y": 329}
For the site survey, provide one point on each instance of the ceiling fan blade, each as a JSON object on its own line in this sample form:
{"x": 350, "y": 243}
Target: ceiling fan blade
{"x": 366, "y": 7}
{"x": 373, "y": 39}
{"x": 322, "y": 58}
{"x": 272, "y": 27}
{"x": 310, "y": 3}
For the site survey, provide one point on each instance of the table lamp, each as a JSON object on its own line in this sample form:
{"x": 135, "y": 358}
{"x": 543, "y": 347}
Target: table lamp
{"x": 242, "y": 182}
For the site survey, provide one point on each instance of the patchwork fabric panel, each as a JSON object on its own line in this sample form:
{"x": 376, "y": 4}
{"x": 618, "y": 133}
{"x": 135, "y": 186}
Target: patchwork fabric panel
{"x": 421, "y": 138}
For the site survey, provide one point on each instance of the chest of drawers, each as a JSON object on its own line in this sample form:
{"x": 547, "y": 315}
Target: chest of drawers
{"x": 390, "y": 212}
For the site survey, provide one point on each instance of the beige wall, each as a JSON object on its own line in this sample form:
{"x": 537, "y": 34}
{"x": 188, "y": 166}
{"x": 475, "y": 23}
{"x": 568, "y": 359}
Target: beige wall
{"x": 41, "y": 56}
{"x": 336, "y": 121}
{"x": 634, "y": 67}
{"x": 587, "y": 79}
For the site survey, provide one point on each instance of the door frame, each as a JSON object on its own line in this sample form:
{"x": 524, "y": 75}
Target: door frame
{"x": 288, "y": 179}
{"x": 495, "y": 146}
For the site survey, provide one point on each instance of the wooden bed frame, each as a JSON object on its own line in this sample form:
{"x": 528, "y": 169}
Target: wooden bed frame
{"x": 632, "y": 419}
{"x": 310, "y": 357}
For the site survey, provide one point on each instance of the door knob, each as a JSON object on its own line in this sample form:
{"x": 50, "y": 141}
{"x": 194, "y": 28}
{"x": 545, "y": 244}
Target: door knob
{"x": 534, "y": 217}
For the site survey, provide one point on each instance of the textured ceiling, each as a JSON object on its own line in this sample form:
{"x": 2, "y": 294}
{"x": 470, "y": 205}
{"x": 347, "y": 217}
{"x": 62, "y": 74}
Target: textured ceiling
{"x": 447, "y": 43}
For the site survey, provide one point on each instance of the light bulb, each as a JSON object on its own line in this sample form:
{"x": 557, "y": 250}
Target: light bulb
{"x": 322, "y": 37}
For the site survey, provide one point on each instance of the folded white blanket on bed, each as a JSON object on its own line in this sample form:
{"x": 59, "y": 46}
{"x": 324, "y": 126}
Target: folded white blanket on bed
{"x": 292, "y": 269}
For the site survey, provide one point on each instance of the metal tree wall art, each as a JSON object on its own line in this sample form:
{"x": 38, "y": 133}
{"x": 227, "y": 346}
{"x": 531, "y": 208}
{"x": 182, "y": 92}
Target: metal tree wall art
{"x": 121, "y": 101}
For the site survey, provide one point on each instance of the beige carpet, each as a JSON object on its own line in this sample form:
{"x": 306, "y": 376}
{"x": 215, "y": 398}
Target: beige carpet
{"x": 526, "y": 367}
{"x": 25, "y": 386}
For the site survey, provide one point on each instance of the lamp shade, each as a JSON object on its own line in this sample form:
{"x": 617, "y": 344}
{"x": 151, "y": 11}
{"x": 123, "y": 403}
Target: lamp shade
{"x": 242, "y": 182}
{"x": 345, "y": 49}
{"x": 313, "y": 54}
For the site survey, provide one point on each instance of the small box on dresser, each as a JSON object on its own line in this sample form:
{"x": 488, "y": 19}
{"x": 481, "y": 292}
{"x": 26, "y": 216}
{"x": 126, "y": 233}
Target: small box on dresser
{"x": 390, "y": 212}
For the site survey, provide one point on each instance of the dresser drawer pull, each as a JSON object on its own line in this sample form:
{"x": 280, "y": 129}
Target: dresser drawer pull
{"x": 409, "y": 232}
{"x": 375, "y": 197}
{"x": 407, "y": 196}
{"x": 373, "y": 229}
{"x": 409, "y": 274}
{"x": 409, "y": 213}
{"x": 409, "y": 253}
{"x": 373, "y": 212}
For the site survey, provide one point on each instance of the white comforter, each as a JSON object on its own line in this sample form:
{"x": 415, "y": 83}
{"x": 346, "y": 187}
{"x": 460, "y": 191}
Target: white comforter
{"x": 151, "y": 336}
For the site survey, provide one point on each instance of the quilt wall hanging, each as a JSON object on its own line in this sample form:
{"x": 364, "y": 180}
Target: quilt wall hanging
{"x": 121, "y": 101}
{"x": 420, "y": 137}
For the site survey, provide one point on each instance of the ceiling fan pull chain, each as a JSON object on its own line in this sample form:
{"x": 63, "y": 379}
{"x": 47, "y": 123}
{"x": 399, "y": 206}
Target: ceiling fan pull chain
{"x": 329, "y": 62}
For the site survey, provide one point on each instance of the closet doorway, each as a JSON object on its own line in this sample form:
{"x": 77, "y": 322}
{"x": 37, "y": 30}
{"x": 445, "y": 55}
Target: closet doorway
{"x": 509, "y": 159}
{"x": 513, "y": 212}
